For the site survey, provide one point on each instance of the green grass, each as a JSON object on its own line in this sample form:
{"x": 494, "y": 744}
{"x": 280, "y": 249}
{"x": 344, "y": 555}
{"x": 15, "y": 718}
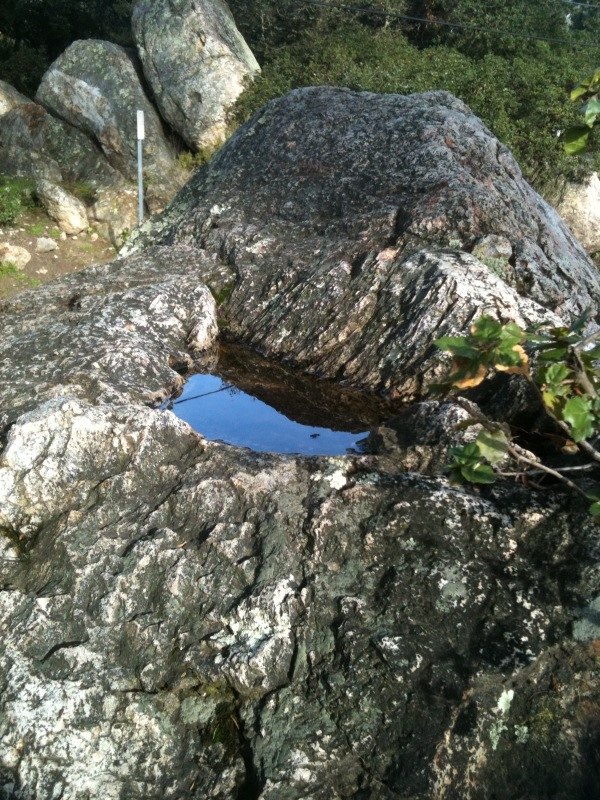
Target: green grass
{"x": 16, "y": 196}
{"x": 37, "y": 229}
{"x": 10, "y": 270}
{"x": 82, "y": 191}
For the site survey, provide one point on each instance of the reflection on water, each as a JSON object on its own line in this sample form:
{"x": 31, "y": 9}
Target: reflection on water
{"x": 220, "y": 411}
{"x": 251, "y": 402}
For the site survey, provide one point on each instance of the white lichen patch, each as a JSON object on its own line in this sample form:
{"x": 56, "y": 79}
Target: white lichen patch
{"x": 337, "y": 480}
{"x": 92, "y": 741}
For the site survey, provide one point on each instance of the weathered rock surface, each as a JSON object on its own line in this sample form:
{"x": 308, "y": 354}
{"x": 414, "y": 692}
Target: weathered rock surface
{"x": 95, "y": 86}
{"x": 34, "y": 144}
{"x": 579, "y": 206}
{"x": 116, "y": 213}
{"x": 196, "y": 62}
{"x": 183, "y": 619}
{"x": 44, "y": 244}
{"x": 342, "y": 212}
{"x": 10, "y": 98}
{"x": 68, "y": 212}
{"x": 113, "y": 329}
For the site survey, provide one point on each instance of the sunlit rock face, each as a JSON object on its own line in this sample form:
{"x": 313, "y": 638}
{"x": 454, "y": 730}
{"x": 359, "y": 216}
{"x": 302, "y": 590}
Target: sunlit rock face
{"x": 579, "y": 206}
{"x": 197, "y": 63}
{"x": 186, "y": 619}
{"x": 348, "y": 218}
{"x": 10, "y": 98}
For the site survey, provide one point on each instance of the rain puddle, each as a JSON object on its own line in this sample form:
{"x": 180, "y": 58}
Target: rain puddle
{"x": 251, "y": 402}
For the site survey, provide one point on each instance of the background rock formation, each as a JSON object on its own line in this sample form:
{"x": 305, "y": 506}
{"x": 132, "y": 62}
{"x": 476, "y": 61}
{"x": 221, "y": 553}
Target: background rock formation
{"x": 342, "y": 212}
{"x": 579, "y": 206}
{"x": 95, "y": 86}
{"x": 10, "y": 98}
{"x": 35, "y": 144}
{"x": 196, "y": 62}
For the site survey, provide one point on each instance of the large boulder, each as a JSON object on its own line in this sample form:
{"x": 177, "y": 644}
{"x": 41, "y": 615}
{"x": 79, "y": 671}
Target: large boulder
{"x": 95, "y": 86}
{"x": 34, "y": 144}
{"x": 196, "y": 62}
{"x": 579, "y": 206}
{"x": 187, "y": 619}
{"x": 10, "y": 98}
{"x": 342, "y": 213}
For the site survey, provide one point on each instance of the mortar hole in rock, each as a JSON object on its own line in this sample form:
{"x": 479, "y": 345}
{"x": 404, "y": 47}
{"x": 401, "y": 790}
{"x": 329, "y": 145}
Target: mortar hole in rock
{"x": 250, "y": 401}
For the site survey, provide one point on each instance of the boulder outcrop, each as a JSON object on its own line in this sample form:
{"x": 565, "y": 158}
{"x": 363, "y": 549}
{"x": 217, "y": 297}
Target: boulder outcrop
{"x": 579, "y": 206}
{"x": 95, "y": 86}
{"x": 186, "y": 619}
{"x": 68, "y": 212}
{"x": 115, "y": 213}
{"x": 10, "y": 98}
{"x": 196, "y": 62}
{"x": 15, "y": 255}
{"x": 341, "y": 211}
{"x": 34, "y": 144}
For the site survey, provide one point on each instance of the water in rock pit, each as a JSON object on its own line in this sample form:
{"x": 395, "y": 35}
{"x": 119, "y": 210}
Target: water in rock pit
{"x": 248, "y": 401}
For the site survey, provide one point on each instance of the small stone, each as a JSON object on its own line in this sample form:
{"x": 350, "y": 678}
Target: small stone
{"x": 62, "y": 236}
{"x": 42, "y": 271}
{"x": 74, "y": 238}
{"x": 45, "y": 245}
{"x": 68, "y": 211}
{"x": 94, "y": 237}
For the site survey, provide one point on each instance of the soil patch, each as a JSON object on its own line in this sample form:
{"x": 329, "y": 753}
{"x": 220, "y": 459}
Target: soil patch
{"x": 72, "y": 254}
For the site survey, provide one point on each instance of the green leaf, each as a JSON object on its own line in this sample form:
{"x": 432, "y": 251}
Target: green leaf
{"x": 463, "y": 455}
{"x": 575, "y": 139}
{"x": 553, "y": 354}
{"x": 478, "y": 473}
{"x": 458, "y": 346}
{"x": 578, "y": 413}
{"x": 580, "y": 91}
{"x": 486, "y": 330}
{"x": 493, "y": 446}
{"x": 511, "y": 334}
{"x": 555, "y": 376}
{"x": 591, "y": 110}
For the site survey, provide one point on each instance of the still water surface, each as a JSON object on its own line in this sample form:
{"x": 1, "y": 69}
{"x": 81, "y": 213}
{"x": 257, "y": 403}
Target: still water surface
{"x": 219, "y": 410}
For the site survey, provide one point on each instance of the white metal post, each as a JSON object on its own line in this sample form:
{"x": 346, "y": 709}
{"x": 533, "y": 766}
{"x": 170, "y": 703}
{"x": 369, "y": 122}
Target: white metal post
{"x": 140, "y": 139}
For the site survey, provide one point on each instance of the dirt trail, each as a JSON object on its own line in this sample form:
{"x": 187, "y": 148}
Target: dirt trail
{"x": 72, "y": 254}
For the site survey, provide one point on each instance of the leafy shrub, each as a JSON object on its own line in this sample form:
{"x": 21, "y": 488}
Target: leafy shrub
{"x": 16, "y": 195}
{"x": 22, "y": 67}
{"x": 10, "y": 203}
{"x": 567, "y": 382}
{"x": 522, "y": 98}
{"x": 191, "y": 161}
{"x": 82, "y": 191}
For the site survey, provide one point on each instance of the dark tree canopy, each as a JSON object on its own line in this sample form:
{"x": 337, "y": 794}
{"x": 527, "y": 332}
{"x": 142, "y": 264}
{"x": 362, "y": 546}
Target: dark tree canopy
{"x": 491, "y": 53}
